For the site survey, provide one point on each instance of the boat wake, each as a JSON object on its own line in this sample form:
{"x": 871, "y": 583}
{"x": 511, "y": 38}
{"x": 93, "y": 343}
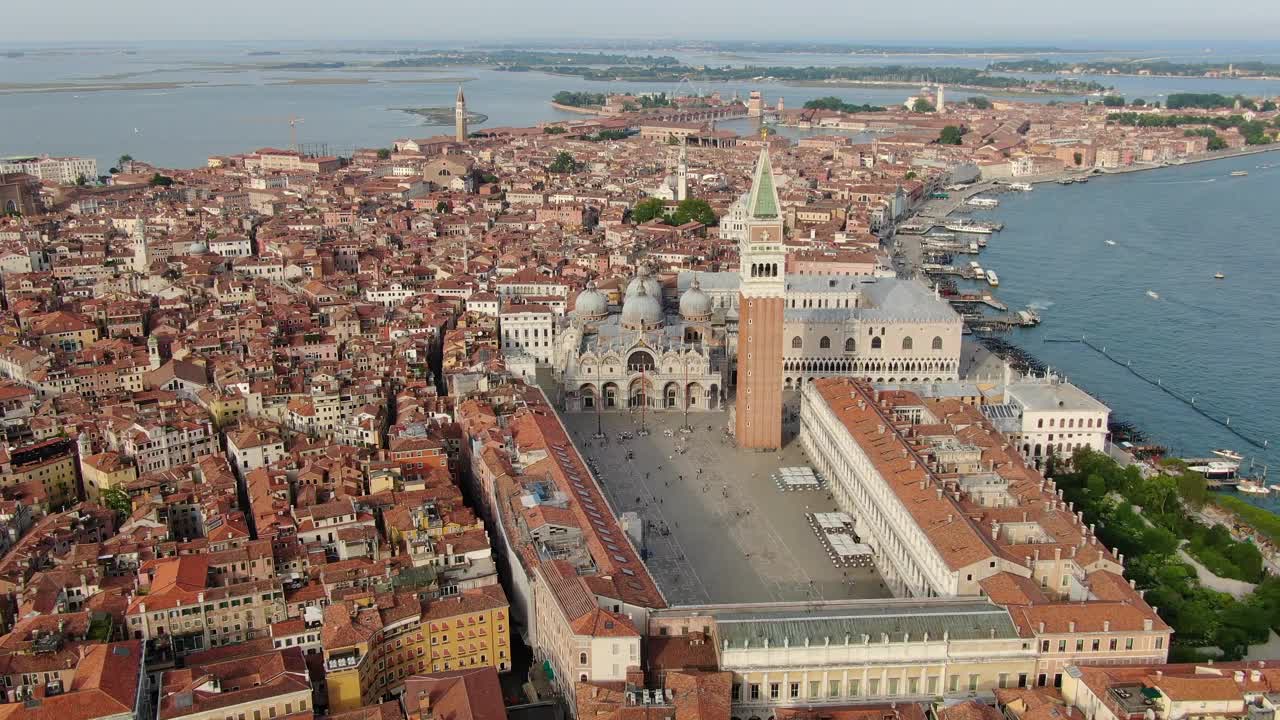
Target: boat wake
{"x": 1183, "y": 182}
{"x": 1040, "y": 304}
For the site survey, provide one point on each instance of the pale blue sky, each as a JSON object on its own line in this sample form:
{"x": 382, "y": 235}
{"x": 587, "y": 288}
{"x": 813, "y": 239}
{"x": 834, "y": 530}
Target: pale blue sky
{"x": 1093, "y": 23}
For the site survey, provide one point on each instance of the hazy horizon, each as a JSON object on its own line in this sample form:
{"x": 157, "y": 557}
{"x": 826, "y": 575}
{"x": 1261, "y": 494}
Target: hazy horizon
{"x": 1086, "y": 24}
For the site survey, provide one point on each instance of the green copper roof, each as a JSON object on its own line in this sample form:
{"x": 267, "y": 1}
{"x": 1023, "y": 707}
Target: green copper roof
{"x": 764, "y": 196}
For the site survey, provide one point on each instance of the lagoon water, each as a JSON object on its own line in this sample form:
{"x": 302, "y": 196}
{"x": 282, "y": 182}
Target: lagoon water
{"x": 229, "y": 101}
{"x": 1174, "y": 228}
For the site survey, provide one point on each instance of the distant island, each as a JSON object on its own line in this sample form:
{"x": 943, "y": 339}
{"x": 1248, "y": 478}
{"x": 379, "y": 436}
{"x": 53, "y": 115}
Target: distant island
{"x": 747, "y": 46}
{"x": 905, "y": 74}
{"x": 442, "y": 115}
{"x": 1248, "y": 69}
{"x": 262, "y": 53}
{"x": 307, "y": 66}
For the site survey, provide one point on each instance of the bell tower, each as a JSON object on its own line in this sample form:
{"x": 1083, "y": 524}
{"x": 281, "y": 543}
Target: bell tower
{"x": 762, "y": 265}
{"x": 460, "y": 117}
{"x": 682, "y": 175}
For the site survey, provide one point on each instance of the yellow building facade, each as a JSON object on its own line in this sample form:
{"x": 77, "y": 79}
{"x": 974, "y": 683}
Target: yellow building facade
{"x": 371, "y": 646}
{"x": 104, "y": 471}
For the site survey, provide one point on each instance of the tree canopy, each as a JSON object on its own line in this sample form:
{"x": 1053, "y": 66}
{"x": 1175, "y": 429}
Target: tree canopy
{"x": 114, "y": 498}
{"x": 689, "y": 209}
{"x": 693, "y": 209}
{"x": 564, "y": 163}
{"x": 1146, "y": 520}
{"x": 831, "y": 102}
{"x": 579, "y": 99}
{"x": 922, "y": 105}
{"x": 648, "y": 209}
{"x": 950, "y": 135}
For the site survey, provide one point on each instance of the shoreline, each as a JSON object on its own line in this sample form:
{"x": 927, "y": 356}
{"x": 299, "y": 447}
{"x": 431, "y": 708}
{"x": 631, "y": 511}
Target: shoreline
{"x": 577, "y": 110}
{"x": 986, "y": 89}
{"x": 1235, "y": 521}
{"x": 1135, "y": 168}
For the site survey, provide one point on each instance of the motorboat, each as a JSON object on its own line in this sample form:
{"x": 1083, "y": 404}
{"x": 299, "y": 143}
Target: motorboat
{"x": 1219, "y": 276}
{"x": 1216, "y": 469}
{"x": 992, "y": 278}
{"x": 1253, "y": 488}
{"x": 1153, "y": 294}
{"x": 1110, "y": 242}
{"x": 1239, "y": 173}
{"x": 1228, "y": 454}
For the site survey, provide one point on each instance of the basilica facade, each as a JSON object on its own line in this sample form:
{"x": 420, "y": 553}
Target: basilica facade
{"x": 641, "y": 355}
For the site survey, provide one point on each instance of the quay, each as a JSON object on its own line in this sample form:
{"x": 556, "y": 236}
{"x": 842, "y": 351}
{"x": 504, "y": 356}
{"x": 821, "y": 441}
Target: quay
{"x": 976, "y": 299}
{"x": 938, "y": 269}
{"x": 1005, "y": 322}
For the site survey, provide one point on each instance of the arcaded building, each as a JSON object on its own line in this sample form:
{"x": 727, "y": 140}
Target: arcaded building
{"x": 641, "y": 355}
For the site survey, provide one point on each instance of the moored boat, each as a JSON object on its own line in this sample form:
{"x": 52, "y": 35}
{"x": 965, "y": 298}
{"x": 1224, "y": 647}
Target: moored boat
{"x": 1253, "y": 488}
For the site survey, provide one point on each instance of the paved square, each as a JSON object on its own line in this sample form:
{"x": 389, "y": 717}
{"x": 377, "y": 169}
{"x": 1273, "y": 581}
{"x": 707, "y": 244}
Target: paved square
{"x": 731, "y": 534}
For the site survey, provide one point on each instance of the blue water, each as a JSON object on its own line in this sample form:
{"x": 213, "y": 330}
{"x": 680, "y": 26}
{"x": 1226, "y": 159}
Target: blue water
{"x": 1174, "y": 228}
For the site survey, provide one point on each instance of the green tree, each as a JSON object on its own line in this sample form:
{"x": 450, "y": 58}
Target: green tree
{"x": 564, "y": 163}
{"x": 578, "y": 99}
{"x": 831, "y": 102}
{"x": 554, "y": 130}
{"x": 124, "y": 160}
{"x": 383, "y": 153}
{"x": 695, "y": 210}
{"x": 648, "y": 209}
{"x": 1113, "y": 101}
{"x": 114, "y": 498}
{"x": 911, "y": 175}
{"x": 159, "y": 180}
{"x": 81, "y": 180}
{"x": 979, "y": 102}
{"x": 950, "y": 135}
{"x": 443, "y": 206}
{"x": 1139, "y": 103}
{"x": 922, "y": 105}
{"x": 1078, "y": 157}
{"x": 1267, "y": 106}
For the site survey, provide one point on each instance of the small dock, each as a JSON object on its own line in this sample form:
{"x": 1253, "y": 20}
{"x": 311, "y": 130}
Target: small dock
{"x": 1019, "y": 319}
{"x": 949, "y": 246}
{"x": 977, "y": 299}
{"x": 935, "y": 269}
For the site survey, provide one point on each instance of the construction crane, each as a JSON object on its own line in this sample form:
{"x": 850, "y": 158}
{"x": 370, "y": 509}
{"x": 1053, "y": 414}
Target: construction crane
{"x": 293, "y": 132}
{"x": 293, "y": 121}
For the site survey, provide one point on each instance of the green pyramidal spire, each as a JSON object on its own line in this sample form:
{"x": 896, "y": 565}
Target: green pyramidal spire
{"x": 764, "y": 194}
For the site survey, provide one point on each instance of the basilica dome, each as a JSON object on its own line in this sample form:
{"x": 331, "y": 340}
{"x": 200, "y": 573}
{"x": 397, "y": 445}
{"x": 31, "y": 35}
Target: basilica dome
{"x": 591, "y": 304}
{"x": 641, "y": 311}
{"x": 644, "y": 280}
{"x": 694, "y": 304}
